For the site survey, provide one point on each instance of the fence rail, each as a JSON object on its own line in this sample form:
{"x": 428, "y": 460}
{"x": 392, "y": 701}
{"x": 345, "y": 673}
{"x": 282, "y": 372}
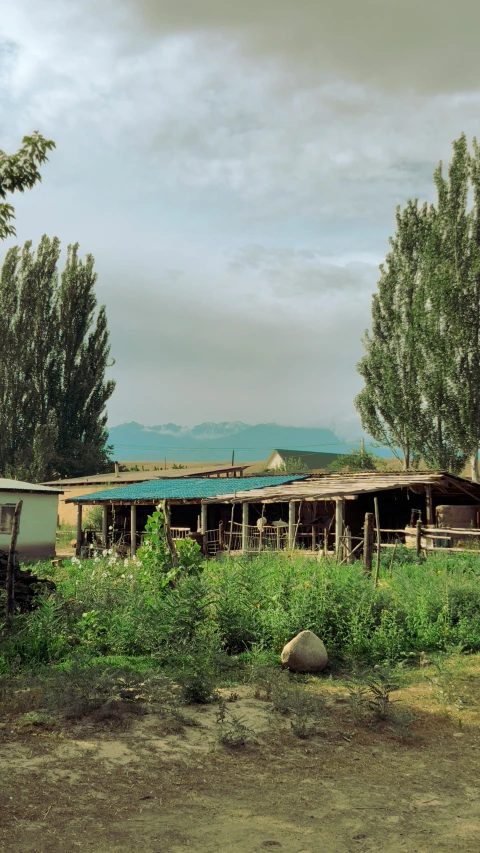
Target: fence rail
{"x": 180, "y": 532}
{"x": 234, "y": 537}
{"x": 429, "y": 538}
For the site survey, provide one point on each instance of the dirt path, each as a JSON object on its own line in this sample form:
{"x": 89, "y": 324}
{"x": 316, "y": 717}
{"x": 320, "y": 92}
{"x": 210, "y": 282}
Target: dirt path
{"x": 351, "y": 789}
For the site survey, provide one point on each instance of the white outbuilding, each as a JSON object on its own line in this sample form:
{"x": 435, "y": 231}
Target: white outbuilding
{"x": 38, "y": 521}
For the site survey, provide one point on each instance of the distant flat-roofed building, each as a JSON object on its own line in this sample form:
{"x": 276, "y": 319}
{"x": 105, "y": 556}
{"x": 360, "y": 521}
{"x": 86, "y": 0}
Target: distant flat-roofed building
{"x": 309, "y": 460}
{"x": 77, "y": 486}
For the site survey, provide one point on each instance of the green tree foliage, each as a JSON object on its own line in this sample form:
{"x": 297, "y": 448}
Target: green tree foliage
{"x": 53, "y": 356}
{"x": 19, "y": 172}
{"x": 422, "y": 362}
{"x": 356, "y": 460}
{"x": 444, "y": 339}
{"x": 390, "y": 403}
{"x": 468, "y": 328}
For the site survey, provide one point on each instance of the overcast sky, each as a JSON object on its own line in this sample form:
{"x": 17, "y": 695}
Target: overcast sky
{"x": 234, "y": 169}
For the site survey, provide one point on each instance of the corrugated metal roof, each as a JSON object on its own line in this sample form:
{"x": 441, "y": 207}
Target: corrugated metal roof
{"x": 341, "y": 485}
{"x": 20, "y": 486}
{"x": 188, "y": 489}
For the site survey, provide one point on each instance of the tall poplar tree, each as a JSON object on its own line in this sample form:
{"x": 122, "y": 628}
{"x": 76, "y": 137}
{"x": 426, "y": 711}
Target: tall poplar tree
{"x": 83, "y": 350}
{"x": 445, "y": 328}
{"x": 468, "y": 331}
{"x": 390, "y": 403}
{"x": 53, "y": 357}
{"x": 422, "y": 364}
{"x": 27, "y": 349}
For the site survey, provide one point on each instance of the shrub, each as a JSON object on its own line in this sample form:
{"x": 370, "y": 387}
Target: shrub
{"x": 357, "y": 460}
{"x": 198, "y": 679}
{"x": 248, "y": 607}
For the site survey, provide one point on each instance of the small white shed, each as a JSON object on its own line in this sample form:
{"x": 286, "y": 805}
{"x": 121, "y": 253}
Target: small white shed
{"x": 38, "y": 522}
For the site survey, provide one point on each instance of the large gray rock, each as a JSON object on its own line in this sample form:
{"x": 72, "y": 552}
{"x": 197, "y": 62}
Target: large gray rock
{"x": 305, "y": 653}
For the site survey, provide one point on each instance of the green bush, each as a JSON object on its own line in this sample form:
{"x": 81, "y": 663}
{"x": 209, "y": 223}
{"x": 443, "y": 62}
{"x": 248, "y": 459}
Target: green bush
{"x": 357, "y": 460}
{"x": 108, "y": 606}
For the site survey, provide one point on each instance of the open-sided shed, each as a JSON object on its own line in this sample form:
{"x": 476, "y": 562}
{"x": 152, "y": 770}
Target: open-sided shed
{"x": 332, "y": 502}
{"x": 125, "y": 510}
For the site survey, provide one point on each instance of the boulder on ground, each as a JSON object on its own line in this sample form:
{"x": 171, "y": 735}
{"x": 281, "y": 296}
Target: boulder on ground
{"x": 305, "y": 653}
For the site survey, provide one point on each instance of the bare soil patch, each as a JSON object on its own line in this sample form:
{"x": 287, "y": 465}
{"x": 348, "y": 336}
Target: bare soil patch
{"x": 350, "y": 787}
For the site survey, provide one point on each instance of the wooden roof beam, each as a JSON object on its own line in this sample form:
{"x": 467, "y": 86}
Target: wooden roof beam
{"x": 282, "y": 499}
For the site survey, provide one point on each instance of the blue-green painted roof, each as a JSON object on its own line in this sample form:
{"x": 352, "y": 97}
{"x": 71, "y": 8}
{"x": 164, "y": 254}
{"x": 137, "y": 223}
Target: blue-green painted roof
{"x": 186, "y": 489}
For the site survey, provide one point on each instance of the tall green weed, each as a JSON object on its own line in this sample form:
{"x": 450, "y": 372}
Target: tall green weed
{"x": 135, "y": 607}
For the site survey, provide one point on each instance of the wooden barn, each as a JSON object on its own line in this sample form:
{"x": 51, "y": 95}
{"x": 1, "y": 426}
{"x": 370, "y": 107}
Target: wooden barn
{"x": 315, "y": 512}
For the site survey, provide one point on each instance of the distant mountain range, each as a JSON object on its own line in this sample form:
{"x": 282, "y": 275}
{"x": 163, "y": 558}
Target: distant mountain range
{"x": 215, "y": 442}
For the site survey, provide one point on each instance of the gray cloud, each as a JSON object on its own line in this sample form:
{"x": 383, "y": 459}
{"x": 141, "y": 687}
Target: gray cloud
{"x": 426, "y": 46}
{"x": 234, "y": 169}
{"x": 196, "y": 112}
{"x": 304, "y": 273}
{"x": 234, "y": 360}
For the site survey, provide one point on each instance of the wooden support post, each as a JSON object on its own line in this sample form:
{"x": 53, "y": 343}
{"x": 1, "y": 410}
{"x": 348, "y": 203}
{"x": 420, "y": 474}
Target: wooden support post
{"x": 279, "y": 539}
{"x": 377, "y": 524}
{"x": 78, "y": 543}
{"x": 348, "y": 542}
{"x": 339, "y": 508}
{"x": 203, "y": 528}
{"x": 419, "y": 538}
{"x": 231, "y": 528}
{"x": 133, "y": 529}
{"x": 314, "y": 537}
{"x": 260, "y": 529}
{"x": 429, "y": 505}
{"x": 244, "y": 528}
{"x": 368, "y": 541}
{"x": 325, "y": 542}
{"x": 105, "y": 526}
{"x": 220, "y": 536}
{"x": 11, "y": 561}
{"x": 291, "y": 524}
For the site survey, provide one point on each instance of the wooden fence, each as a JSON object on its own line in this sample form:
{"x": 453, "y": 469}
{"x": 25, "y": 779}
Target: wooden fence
{"x": 424, "y": 538}
{"x": 235, "y": 538}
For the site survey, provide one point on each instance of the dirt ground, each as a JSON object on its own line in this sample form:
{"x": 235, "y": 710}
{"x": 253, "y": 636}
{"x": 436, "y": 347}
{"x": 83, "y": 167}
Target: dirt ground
{"x": 349, "y": 788}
